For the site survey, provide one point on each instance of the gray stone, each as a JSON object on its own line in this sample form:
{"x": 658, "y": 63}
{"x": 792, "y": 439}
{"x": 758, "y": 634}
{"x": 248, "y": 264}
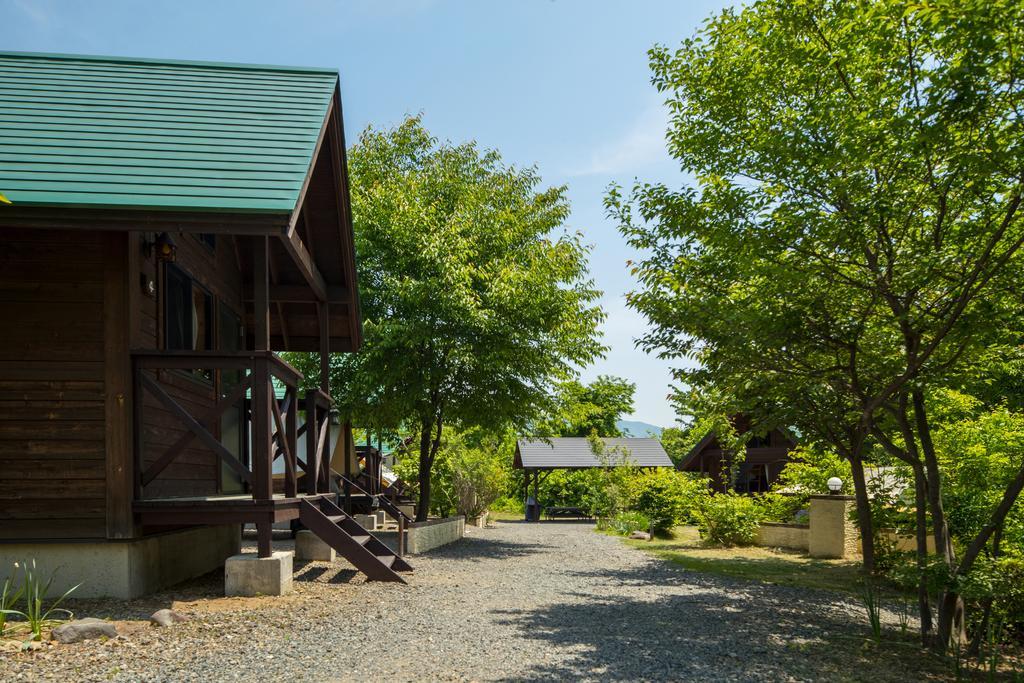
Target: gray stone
{"x": 83, "y": 629}
{"x": 640, "y": 536}
{"x": 166, "y": 617}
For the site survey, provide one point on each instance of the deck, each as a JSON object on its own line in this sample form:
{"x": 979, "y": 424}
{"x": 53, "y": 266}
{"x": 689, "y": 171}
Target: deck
{"x": 222, "y": 509}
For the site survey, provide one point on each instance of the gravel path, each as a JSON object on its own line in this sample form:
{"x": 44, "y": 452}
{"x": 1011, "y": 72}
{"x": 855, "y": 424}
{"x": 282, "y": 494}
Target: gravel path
{"x": 554, "y": 601}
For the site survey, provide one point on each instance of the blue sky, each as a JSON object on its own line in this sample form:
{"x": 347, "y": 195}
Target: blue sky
{"x": 563, "y": 84}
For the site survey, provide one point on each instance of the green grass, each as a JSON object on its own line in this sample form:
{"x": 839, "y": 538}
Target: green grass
{"x": 683, "y": 547}
{"x": 502, "y": 516}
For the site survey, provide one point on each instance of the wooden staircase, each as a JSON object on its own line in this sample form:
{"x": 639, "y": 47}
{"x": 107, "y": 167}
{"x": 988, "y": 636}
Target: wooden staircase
{"x": 357, "y": 545}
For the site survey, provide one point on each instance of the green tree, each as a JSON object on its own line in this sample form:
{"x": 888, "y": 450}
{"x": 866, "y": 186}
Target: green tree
{"x": 854, "y": 228}
{"x": 474, "y": 297}
{"x": 585, "y": 409}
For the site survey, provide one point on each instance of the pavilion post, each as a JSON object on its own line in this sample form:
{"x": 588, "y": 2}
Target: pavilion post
{"x": 536, "y": 495}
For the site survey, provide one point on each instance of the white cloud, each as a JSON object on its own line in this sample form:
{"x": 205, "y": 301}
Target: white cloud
{"x": 642, "y": 145}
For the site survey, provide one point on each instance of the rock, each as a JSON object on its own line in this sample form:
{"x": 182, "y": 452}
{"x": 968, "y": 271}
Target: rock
{"x": 640, "y": 536}
{"x": 166, "y": 617}
{"x": 83, "y": 629}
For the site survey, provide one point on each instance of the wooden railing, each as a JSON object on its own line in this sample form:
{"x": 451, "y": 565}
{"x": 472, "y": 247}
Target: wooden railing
{"x": 269, "y": 426}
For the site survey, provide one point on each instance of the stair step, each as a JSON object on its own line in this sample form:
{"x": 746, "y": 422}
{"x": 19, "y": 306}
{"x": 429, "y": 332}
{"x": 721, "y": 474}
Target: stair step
{"x": 361, "y": 540}
{"x": 386, "y": 560}
{"x": 336, "y": 518}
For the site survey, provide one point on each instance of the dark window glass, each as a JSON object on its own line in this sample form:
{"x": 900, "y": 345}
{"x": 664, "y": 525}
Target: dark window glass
{"x": 189, "y": 315}
{"x": 209, "y": 239}
{"x": 177, "y": 310}
{"x": 763, "y": 441}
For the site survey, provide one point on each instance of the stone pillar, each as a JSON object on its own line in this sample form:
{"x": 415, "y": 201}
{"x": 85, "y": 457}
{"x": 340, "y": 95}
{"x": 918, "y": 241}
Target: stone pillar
{"x": 832, "y": 534}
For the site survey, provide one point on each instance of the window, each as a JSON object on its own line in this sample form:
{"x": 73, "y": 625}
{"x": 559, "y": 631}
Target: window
{"x": 188, "y": 313}
{"x": 762, "y": 441}
{"x": 209, "y": 239}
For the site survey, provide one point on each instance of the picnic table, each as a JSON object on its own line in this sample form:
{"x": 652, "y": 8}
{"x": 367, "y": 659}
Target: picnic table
{"x": 566, "y": 512}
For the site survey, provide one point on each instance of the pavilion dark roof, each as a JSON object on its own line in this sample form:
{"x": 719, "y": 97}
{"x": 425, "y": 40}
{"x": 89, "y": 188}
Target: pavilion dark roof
{"x": 576, "y": 452}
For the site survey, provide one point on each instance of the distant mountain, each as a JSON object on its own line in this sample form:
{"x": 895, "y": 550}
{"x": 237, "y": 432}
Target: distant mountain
{"x": 638, "y": 429}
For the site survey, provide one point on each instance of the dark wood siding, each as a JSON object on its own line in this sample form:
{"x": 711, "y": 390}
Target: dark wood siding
{"x": 52, "y": 468}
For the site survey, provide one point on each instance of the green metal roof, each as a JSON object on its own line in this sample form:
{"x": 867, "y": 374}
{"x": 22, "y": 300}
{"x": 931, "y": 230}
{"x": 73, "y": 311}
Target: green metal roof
{"x": 151, "y": 134}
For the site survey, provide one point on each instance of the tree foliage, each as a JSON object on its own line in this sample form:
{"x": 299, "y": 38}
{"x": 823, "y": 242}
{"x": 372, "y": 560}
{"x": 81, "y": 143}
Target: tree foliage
{"x": 474, "y": 297}
{"x": 853, "y": 233}
{"x": 583, "y": 409}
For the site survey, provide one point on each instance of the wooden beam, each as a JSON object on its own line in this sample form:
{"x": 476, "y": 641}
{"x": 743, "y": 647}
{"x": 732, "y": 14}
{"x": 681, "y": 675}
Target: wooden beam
{"x": 300, "y": 255}
{"x": 339, "y": 165}
{"x": 324, "y": 323}
{"x": 300, "y": 294}
{"x": 118, "y": 276}
{"x": 261, "y": 293}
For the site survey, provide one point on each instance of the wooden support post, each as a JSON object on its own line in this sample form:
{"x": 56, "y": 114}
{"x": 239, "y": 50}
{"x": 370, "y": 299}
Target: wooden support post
{"x": 325, "y": 347}
{"x": 118, "y": 414}
{"x": 312, "y": 439}
{"x": 291, "y": 428}
{"x": 349, "y": 454}
{"x": 536, "y": 495}
{"x": 401, "y": 535}
{"x": 261, "y": 387}
{"x": 325, "y": 449}
{"x": 264, "y": 539}
{"x": 137, "y": 442}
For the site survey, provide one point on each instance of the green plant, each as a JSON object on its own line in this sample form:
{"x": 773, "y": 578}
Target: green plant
{"x": 728, "y": 519}
{"x": 9, "y": 596}
{"x": 37, "y": 614}
{"x": 871, "y": 598}
{"x": 478, "y": 478}
{"x": 667, "y": 497}
{"x": 626, "y": 523}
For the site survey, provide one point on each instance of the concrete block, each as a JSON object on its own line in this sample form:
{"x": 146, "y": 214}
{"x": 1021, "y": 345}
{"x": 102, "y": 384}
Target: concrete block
{"x": 248, "y": 575}
{"x": 128, "y": 568}
{"x": 793, "y": 536}
{"x": 379, "y": 514}
{"x": 308, "y": 546}
{"x": 368, "y": 522}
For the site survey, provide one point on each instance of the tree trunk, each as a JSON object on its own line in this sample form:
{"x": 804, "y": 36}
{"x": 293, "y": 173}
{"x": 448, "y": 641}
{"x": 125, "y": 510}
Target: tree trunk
{"x": 951, "y": 622}
{"x": 867, "y": 532}
{"x": 423, "y": 505}
{"x": 923, "y": 598}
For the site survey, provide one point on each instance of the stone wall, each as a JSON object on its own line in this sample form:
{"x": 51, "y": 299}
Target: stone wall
{"x": 423, "y": 536}
{"x": 126, "y": 569}
{"x": 794, "y": 536}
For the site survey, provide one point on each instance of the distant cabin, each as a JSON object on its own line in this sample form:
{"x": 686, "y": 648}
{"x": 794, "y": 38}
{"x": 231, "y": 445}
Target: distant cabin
{"x": 763, "y": 460}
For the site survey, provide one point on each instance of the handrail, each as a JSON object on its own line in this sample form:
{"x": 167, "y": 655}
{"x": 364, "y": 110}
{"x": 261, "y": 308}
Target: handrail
{"x": 391, "y": 506}
{"x": 150, "y": 359}
{"x": 277, "y": 419}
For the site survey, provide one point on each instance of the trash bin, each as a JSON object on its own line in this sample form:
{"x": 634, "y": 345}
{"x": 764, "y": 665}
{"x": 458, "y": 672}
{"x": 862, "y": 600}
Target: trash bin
{"x": 532, "y": 510}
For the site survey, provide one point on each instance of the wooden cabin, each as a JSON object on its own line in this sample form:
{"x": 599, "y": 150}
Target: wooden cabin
{"x": 169, "y": 227}
{"x": 765, "y": 456}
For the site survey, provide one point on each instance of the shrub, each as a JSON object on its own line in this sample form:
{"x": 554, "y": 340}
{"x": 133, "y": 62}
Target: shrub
{"x": 729, "y": 519}
{"x": 667, "y": 497}
{"x": 781, "y": 507}
{"x": 626, "y": 523}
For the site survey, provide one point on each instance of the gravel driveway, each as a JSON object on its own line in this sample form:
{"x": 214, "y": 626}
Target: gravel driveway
{"x": 553, "y": 601}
